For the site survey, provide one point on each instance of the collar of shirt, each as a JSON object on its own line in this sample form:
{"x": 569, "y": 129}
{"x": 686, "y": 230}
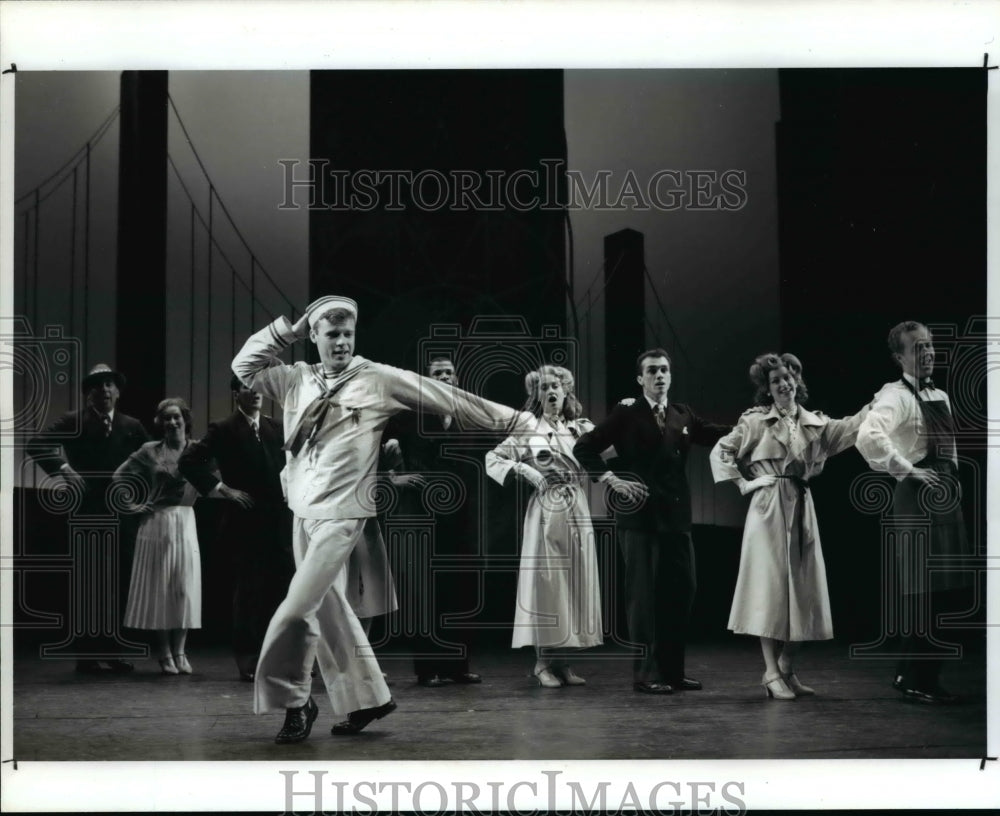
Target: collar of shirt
{"x": 254, "y": 421}
{"x": 935, "y": 391}
{"x": 101, "y": 416}
{"x": 654, "y": 403}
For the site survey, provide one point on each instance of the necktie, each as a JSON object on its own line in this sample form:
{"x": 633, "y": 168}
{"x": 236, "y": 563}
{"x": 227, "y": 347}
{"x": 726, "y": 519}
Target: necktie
{"x": 661, "y": 419}
{"x": 256, "y": 430}
{"x": 106, "y": 419}
{"x": 926, "y": 382}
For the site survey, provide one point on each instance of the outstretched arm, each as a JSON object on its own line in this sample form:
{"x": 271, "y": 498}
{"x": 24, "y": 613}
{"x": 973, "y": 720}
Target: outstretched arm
{"x": 707, "y": 433}
{"x": 468, "y": 410}
{"x": 840, "y": 434}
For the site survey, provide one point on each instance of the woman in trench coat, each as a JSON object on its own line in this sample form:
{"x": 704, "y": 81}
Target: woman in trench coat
{"x": 775, "y": 449}
{"x": 558, "y": 596}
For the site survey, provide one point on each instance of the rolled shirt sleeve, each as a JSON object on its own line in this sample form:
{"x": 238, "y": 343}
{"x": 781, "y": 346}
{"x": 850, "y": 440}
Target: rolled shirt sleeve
{"x": 888, "y": 416}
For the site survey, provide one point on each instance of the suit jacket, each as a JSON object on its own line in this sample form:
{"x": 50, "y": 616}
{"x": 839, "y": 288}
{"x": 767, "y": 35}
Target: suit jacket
{"x": 428, "y": 448}
{"x": 90, "y": 453}
{"x": 656, "y": 459}
{"x": 244, "y": 463}
{"x": 335, "y": 475}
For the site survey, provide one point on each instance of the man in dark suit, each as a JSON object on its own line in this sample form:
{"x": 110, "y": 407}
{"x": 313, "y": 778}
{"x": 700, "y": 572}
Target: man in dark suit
{"x": 85, "y": 447}
{"x": 652, "y": 438}
{"x": 257, "y": 525}
{"x": 425, "y": 442}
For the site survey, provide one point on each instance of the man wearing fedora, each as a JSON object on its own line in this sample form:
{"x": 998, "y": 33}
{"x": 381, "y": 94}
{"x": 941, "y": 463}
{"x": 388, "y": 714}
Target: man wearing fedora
{"x": 334, "y": 415}
{"x": 87, "y": 460}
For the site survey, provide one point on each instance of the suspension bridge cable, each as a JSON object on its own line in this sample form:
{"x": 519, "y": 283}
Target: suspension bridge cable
{"x": 663, "y": 312}
{"x": 222, "y": 204}
{"x": 98, "y": 135}
{"x": 197, "y": 213}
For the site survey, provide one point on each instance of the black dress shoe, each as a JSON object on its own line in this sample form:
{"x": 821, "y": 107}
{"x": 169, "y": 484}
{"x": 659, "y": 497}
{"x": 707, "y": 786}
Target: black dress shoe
{"x": 298, "y": 723}
{"x": 466, "y": 677}
{"x": 936, "y": 696}
{"x": 653, "y": 687}
{"x": 431, "y": 681}
{"x": 89, "y": 667}
{"x": 357, "y": 720}
{"x": 120, "y": 666}
{"x": 686, "y": 684}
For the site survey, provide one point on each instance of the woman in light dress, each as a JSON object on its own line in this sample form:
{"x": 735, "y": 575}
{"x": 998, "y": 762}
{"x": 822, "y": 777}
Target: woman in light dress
{"x": 776, "y": 448}
{"x": 558, "y": 597}
{"x": 165, "y": 590}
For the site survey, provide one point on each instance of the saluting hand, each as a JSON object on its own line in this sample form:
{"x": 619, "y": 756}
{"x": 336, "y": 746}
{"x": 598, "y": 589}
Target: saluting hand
{"x": 301, "y": 327}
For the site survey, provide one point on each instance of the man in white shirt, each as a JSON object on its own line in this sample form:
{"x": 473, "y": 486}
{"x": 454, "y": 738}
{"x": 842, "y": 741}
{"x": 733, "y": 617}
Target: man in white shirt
{"x": 909, "y": 433}
{"x": 334, "y": 415}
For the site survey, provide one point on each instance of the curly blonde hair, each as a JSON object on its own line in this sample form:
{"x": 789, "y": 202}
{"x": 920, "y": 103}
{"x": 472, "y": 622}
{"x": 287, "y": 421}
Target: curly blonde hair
{"x": 572, "y": 409}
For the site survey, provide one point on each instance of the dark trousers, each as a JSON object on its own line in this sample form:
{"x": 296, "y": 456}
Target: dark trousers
{"x": 920, "y": 668}
{"x": 444, "y": 650}
{"x": 260, "y": 541}
{"x": 660, "y": 584}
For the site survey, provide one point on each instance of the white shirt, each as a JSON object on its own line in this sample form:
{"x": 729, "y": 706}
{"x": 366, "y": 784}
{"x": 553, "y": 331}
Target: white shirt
{"x": 254, "y": 421}
{"x": 654, "y": 403}
{"x": 893, "y": 436}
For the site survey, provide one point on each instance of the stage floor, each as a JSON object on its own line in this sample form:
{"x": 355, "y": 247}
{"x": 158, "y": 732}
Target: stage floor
{"x": 59, "y": 715}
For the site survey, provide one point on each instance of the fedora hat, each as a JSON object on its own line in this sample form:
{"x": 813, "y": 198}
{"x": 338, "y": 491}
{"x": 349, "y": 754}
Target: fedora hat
{"x": 101, "y": 372}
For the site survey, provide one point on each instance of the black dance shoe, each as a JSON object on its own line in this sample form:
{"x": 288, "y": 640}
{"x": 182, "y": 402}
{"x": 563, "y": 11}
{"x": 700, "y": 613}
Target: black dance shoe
{"x": 652, "y": 687}
{"x": 933, "y": 696}
{"x": 466, "y": 677}
{"x": 686, "y": 684}
{"x": 357, "y": 720}
{"x": 298, "y": 723}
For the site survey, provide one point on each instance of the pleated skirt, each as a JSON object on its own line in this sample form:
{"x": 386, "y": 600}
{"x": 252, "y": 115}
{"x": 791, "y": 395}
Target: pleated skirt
{"x": 165, "y": 590}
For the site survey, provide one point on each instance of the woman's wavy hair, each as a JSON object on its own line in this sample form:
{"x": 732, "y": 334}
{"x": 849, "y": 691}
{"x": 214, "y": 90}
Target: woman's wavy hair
{"x": 761, "y": 370}
{"x": 572, "y": 409}
{"x": 168, "y": 403}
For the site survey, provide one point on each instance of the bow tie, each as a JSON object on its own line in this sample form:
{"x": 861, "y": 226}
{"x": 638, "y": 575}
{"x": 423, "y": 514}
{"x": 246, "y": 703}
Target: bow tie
{"x": 926, "y": 382}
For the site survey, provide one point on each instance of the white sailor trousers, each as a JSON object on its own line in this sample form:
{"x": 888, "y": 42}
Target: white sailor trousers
{"x": 317, "y": 620}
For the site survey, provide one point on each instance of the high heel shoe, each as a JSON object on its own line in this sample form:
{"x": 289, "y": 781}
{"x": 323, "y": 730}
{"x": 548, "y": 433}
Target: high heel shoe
{"x": 568, "y": 677}
{"x": 183, "y": 666}
{"x": 775, "y": 687}
{"x": 167, "y": 665}
{"x": 795, "y": 685}
{"x": 545, "y": 677}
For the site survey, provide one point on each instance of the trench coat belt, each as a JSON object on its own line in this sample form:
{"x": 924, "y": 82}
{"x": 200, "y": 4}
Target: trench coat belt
{"x": 802, "y": 485}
